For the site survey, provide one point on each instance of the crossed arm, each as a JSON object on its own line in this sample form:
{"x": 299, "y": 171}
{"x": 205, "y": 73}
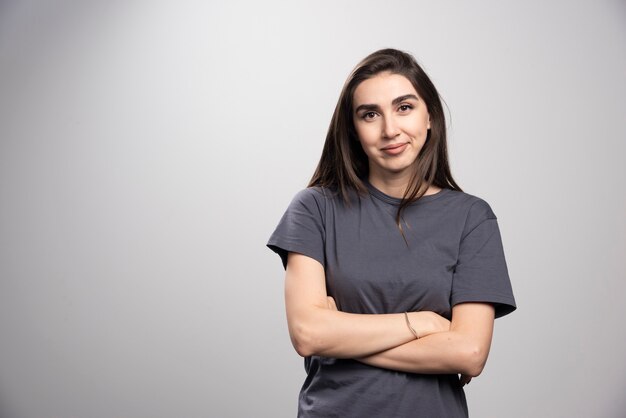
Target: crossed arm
{"x": 316, "y": 327}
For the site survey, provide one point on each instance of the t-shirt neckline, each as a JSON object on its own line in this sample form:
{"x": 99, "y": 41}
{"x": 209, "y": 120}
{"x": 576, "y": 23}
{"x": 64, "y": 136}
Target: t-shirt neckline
{"x": 396, "y": 200}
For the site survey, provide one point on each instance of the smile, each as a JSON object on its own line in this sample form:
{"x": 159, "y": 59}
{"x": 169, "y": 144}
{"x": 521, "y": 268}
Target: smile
{"x": 394, "y": 149}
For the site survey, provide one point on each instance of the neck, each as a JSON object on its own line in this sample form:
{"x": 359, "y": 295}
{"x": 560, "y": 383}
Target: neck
{"x": 394, "y": 187}
{"x": 395, "y": 184}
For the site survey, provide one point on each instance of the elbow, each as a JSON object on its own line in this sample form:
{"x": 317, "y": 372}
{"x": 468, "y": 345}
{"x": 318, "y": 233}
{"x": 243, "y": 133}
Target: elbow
{"x": 474, "y": 360}
{"x": 302, "y": 348}
{"x": 310, "y": 333}
{"x": 304, "y": 351}
{"x": 304, "y": 340}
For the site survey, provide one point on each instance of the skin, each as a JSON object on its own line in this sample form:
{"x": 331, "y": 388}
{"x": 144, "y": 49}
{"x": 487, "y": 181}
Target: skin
{"x": 388, "y": 112}
{"x": 316, "y": 329}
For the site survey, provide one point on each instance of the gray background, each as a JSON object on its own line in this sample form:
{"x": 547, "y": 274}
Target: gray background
{"x": 148, "y": 149}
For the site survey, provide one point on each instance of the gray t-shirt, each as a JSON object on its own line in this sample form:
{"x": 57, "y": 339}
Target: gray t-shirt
{"x": 453, "y": 253}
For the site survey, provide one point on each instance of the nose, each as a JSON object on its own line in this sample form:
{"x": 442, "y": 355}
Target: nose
{"x": 390, "y": 128}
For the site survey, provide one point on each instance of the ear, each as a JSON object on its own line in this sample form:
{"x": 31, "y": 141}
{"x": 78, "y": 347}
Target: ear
{"x": 428, "y": 126}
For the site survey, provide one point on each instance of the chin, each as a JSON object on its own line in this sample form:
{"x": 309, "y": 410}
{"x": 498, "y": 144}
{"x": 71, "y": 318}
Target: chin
{"x": 397, "y": 169}
{"x": 399, "y": 166}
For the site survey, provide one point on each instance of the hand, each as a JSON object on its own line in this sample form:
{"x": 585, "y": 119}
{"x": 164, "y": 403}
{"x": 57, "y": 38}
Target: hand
{"x": 427, "y": 322}
{"x": 465, "y": 379}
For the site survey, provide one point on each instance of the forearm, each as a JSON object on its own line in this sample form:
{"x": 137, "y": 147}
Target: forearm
{"x": 316, "y": 327}
{"x": 463, "y": 349}
{"x": 446, "y": 352}
{"x": 332, "y": 333}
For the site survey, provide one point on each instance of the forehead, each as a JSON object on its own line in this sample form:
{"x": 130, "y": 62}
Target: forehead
{"x": 382, "y": 89}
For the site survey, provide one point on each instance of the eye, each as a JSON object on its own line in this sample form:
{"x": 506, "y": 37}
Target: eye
{"x": 368, "y": 115}
{"x": 405, "y": 107}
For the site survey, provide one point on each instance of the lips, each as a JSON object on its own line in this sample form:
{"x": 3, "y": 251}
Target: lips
{"x": 394, "y": 149}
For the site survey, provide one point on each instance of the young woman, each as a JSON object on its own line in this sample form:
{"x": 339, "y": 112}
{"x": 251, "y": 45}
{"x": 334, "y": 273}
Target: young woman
{"x": 394, "y": 275}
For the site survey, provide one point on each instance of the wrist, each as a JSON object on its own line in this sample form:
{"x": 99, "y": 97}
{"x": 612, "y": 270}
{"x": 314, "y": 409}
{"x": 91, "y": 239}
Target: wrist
{"x": 426, "y": 323}
{"x": 410, "y": 326}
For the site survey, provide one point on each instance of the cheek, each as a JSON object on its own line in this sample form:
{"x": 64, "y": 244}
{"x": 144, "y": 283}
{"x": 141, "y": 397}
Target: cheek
{"x": 367, "y": 134}
{"x": 420, "y": 126}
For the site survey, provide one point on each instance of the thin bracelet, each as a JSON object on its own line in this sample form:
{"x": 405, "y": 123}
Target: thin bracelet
{"x": 408, "y": 324}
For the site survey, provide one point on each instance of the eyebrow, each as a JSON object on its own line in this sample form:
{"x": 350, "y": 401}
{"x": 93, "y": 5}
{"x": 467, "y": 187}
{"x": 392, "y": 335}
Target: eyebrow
{"x": 393, "y": 102}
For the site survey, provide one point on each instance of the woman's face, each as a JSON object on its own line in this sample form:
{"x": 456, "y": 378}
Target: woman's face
{"x": 392, "y": 122}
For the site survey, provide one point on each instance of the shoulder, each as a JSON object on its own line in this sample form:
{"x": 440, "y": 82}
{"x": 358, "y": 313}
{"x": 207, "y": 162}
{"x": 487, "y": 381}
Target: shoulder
{"x": 320, "y": 195}
{"x": 314, "y": 195}
{"x": 471, "y": 204}
{"x": 311, "y": 200}
{"x": 472, "y": 208}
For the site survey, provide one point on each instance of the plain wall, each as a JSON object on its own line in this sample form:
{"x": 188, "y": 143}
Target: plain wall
{"x": 149, "y": 148}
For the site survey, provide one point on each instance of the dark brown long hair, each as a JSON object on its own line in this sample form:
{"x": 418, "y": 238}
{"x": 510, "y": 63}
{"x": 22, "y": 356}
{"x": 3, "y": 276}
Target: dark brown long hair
{"x": 344, "y": 164}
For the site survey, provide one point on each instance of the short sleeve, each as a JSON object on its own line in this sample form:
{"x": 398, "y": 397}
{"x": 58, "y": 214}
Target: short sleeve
{"x": 481, "y": 274}
{"x": 301, "y": 228}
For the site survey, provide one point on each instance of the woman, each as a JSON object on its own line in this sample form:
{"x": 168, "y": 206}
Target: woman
{"x": 394, "y": 275}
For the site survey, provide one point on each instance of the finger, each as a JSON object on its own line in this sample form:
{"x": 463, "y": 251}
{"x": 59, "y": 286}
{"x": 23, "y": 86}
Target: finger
{"x": 331, "y": 303}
